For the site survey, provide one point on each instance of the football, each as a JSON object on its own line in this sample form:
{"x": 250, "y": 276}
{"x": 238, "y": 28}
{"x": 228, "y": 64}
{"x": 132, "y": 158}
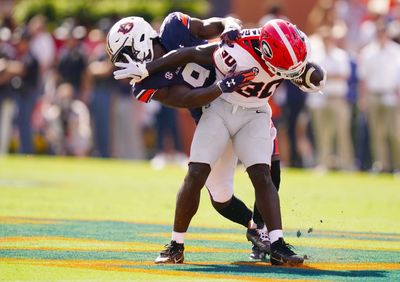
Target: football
{"x": 313, "y": 73}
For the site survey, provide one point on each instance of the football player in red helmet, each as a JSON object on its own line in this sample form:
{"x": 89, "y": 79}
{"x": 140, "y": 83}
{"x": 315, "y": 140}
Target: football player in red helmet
{"x": 284, "y": 48}
{"x": 277, "y": 51}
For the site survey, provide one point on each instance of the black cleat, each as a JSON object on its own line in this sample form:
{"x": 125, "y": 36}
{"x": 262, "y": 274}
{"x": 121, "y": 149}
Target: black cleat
{"x": 257, "y": 254}
{"x": 173, "y": 253}
{"x": 281, "y": 254}
{"x": 259, "y": 238}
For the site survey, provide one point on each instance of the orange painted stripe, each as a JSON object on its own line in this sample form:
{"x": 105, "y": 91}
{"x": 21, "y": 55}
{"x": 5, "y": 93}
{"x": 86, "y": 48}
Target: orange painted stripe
{"x": 120, "y": 266}
{"x": 21, "y": 220}
{"x": 98, "y": 245}
{"x": 307, "y": 265}
{"x": 116, "y": 249}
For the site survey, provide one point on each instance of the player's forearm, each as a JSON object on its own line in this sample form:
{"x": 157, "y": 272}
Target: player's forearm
{"x": 198, "y": 54}
{"x": 213, "y": 27}
{"x": 194, "y": 98}
{"x": 171, "y": 60}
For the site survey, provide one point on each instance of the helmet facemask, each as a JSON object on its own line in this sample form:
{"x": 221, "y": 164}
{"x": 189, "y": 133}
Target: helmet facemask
{"x": 139, "y": 55}
{"x": 291, "y": 73}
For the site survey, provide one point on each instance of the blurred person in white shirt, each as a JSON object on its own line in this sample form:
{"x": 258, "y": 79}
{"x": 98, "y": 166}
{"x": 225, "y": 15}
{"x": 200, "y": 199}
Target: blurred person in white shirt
{"x": 68, "y": 124}
{"x": 379, "y": 71}
{"x": 42, "y": 46}
{"x": 331, "y": 113}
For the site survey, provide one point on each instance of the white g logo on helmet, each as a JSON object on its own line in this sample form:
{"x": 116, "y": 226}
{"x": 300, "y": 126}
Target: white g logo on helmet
{"x": 131, "y": 35}
{"x": 266, "y": 49}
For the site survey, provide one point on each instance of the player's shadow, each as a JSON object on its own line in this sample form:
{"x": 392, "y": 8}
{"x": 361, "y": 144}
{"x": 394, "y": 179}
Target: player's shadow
{"x": 245, "y": 267}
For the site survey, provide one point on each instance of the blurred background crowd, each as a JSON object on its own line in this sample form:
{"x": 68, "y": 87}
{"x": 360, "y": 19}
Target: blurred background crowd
{"x": 58, "y": 95}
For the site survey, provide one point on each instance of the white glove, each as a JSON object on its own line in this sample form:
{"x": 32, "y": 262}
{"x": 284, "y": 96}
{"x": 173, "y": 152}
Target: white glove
{"x": 135, "y": 70}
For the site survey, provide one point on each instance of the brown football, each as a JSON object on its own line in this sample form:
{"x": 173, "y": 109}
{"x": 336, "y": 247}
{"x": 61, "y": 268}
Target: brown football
{"x": 312, "y": 74}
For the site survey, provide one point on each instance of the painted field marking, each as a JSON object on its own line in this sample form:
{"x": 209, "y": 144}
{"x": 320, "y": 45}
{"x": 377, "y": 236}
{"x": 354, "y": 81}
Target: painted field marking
{"x": 120, "y": 266}
{"x": 324, "y": 243}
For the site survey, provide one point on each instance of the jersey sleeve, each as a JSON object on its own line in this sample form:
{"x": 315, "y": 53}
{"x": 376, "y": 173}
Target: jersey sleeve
{"x": 142, "y": 93}
{"x": 175, "y": 32}
{"x": 223, "y": 61}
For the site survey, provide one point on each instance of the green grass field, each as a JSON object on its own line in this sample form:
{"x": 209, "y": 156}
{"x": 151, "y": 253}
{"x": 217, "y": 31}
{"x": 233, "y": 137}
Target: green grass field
{"x": 104, "y": 220}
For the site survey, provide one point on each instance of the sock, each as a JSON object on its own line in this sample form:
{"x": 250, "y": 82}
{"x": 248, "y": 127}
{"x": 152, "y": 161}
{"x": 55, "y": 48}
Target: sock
{"x": 276, "y": 173}
{"x": 274, "y": 235}
{"x": 257, "y": 217}
{"x": 178, "y": 237}
{"x": 237, "y": 212}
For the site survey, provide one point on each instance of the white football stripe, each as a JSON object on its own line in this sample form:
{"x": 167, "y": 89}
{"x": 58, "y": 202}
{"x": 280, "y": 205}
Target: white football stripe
{"x": 140, "y": 94}
{"x": 286, "y": 41}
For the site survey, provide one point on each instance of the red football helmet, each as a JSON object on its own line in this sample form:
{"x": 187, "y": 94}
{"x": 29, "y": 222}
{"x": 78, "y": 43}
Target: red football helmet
{"x": 284, "y": 48}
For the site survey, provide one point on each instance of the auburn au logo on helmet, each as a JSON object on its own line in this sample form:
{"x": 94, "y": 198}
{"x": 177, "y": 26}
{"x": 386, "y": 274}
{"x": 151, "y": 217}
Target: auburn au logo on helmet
{"x": 125, "y": 27}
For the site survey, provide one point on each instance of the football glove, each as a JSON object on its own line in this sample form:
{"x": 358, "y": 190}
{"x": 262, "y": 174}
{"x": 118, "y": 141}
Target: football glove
{"x": 135, "y": 70}
{"x": 231, "y": 32}
{"x": 236, "y": 81}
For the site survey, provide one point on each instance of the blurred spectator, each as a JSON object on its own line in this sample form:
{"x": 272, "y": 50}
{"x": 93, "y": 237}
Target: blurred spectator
{"x": 101, "y": 87}
{"x": 273, "y": 12}
{"x": 73, "y": 60}
{"x": 352, "y": 13}
{"x": 359, "y": 124}
{"x": 291, "y": 110}
{"x": 331, "y": 112}
{"x": 68, "y": 124}
{"x": 25, "y": 71}
{"x": 379, "y": 71}
{"x": 7, "y": 105}
{"x": 323, "y": 13}
{"x": 127, "y": 120}
{"x": 169, "y": 143}
{"x": 42, "y": 46}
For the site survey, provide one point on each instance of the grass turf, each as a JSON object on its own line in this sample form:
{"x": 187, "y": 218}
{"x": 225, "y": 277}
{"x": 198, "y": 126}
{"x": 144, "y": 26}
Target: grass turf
{"x": 78, "y": 219}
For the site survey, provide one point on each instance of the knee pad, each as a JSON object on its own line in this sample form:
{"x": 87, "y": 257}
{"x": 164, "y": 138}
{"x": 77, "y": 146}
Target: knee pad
{"x": 221, "y": 193}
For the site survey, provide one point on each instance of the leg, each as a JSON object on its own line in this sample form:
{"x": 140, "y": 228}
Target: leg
{"x": 275, "y": 176}
{"x": 209, "y": 141}
{"x": 26, "y": 104}
{"x": 267, "y": 198}
{"x": 377, "y": 134}
{"x": 276, "y": 180}
{"x": 6, "y": 116}
{"x": 101, "y": 116}
{"x": 188, "y": 198}
{"x": 220, "y": 186}
{"x": 254, "y": 148}
{"x": 343, "y": 129}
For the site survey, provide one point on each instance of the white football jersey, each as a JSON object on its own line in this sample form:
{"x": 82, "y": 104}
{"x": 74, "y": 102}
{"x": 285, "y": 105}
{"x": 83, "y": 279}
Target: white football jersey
{"x": 245, "y": 55}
